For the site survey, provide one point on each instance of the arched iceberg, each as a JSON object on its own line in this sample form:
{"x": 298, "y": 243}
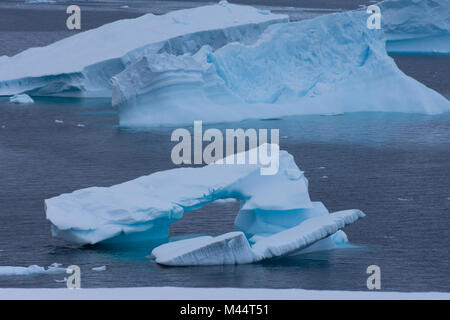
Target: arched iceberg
{"x": 276, "y": 214}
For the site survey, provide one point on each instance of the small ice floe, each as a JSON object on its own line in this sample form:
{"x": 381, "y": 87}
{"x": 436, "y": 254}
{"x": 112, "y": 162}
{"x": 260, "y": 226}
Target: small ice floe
{"x": 31, "y": 270}
{"x": 59, "y": 121}
{"x": 102, "y": 268}
{"x": 21, "y": 99}
{"x": 324, "y": 177}
{"x": 124, "y": 7}
{"x": 404, "y": 199}
{"x": 80, "y": 125}
{"x": 3, "y": 126}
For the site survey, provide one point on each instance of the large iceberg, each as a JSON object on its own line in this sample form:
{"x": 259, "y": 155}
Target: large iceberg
{"x": 276, "y": 215}
{"x": 83, "y": 64}
{"x": 332, "y": 63}
{"x": 416, "y": 26}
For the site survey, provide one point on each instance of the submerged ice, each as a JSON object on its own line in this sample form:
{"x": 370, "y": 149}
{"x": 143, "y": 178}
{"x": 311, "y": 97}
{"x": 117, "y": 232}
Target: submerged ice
{"x": 276, "y": 216}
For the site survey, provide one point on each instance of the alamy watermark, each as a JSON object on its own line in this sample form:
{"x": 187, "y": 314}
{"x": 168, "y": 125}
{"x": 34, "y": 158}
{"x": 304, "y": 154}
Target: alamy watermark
{"x": 374, "y": 20}
{"x": 74, "y": 280}
{"x": 374, "y": 280}
{"x": 190, "y": 150}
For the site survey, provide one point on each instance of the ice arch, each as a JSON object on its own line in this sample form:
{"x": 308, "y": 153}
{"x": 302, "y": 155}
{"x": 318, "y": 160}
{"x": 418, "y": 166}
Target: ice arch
{"x": 143, "y": 209}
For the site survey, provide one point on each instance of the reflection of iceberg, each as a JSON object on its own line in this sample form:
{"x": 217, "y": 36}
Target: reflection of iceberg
{"x": 276, "y": 214}
{"x": 83, "y": 64}
{"x": 416, "y": 26}
{"x": 331, "y": 64}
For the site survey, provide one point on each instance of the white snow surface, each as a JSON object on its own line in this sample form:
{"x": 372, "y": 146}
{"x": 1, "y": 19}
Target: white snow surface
{"x": 82, "y": 65}
{"x": 178, "y": 293}
{"x": 328, "y": 65}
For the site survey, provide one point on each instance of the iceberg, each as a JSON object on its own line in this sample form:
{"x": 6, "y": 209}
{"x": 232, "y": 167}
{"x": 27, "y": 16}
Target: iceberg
{"x": 328, "y": 65}
{"x": 31, "y": 270}
{"x": 21, "y": 99}
{"x": 82, "y": 65}
{"x": 416, "y": 26}
{"x": 276, "y": 217}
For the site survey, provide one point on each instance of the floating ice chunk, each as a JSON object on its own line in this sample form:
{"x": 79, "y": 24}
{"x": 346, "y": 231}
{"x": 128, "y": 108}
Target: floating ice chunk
{"x": 21, "y": 99}
{"x": 59, "y": 121}
{"x": 80, "y": 125}
{"x": 306, "y": 67}
{"x": 233, "y": 247}
{"x": 124, "y": 7}
{"x": 75, "y": 67}
{"x": 102, "y": 268}
{"x": 275, "y": 210}
{"x": 31, "y": 270}
{"x": 229, "y": 248}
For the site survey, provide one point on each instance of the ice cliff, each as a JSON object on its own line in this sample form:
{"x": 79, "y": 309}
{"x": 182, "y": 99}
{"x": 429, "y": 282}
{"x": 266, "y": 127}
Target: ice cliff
{"x": 416, "y": 26}
{"x": 276, "y": 214}
{"x": 83, "y": 64}
{"x": 330, "y": 64}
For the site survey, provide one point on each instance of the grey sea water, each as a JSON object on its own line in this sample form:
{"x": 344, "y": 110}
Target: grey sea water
{"x": 394, "y": 167}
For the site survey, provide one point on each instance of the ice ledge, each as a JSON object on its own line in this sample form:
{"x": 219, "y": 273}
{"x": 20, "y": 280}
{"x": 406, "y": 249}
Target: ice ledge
{"x": 233, "y": 247}
{"x": 179, "y": 293}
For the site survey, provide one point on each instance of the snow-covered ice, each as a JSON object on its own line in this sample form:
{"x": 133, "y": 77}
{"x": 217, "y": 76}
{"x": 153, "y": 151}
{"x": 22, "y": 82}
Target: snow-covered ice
{"x": 328, "y": 65}
{"x": 276, "y": 213}
{"x": 31, "y": 270}
{"x": 82, "y": 65}
{"x": 416, "y": 26}
{"x": 179, "y": 293}
{"x": 21, "y": 99}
